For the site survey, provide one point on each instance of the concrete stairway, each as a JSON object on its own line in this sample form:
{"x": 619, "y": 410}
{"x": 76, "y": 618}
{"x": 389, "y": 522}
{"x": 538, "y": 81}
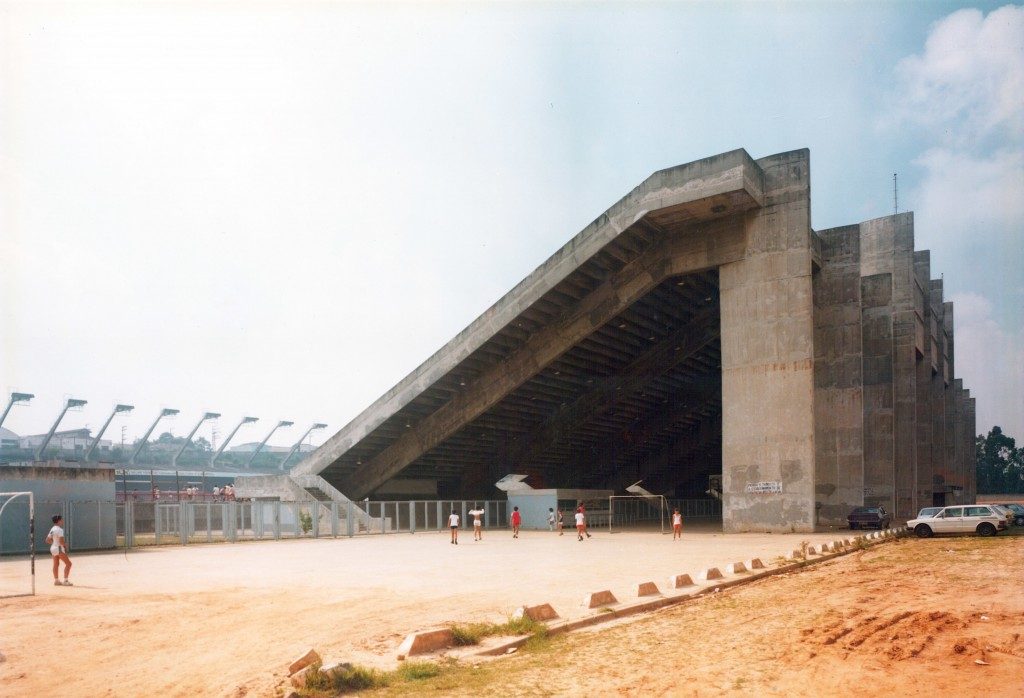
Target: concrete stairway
{"x": 324, "y": 492}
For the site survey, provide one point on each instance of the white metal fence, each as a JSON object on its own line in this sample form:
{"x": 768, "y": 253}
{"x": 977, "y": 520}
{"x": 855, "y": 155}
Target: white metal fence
{"x": 104, "y": 525}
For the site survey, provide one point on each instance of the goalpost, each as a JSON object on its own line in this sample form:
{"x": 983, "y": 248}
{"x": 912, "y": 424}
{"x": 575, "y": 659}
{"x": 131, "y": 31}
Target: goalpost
{"x": 6, "y": 498}
{"x": 636, "y": 509}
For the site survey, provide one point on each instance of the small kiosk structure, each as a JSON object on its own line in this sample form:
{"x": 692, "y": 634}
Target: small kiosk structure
{"x": 534, "y": 504}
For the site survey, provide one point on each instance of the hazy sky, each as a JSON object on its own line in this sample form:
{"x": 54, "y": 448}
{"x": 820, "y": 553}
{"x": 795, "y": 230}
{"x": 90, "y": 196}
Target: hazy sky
{"x": 280, "y": 209}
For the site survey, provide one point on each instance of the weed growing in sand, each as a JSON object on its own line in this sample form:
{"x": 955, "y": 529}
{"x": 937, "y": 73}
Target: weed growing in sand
{"x": 347, "y": 677}
{"x": 417, "y": 671}
{"x": 473, "y": 633}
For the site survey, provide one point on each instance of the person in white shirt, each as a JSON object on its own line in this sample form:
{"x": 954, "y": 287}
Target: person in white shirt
{"x": 453, "y": 524}
{"x": 581, "y": 523}
{"x": 477, "y": 523}
{"x": 59, "y": 551}
{"x": 677, "y": 525}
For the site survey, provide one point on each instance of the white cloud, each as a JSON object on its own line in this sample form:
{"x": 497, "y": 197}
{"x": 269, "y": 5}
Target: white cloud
{"x": 963, "y": 98}
{"x": 962, "y": 193}
{"x": 968, "y": 82}
{"x": 989, "y": 359}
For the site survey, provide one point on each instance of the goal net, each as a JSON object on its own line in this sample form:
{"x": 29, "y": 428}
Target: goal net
{"x": 637, "y": 512}
{"x": 17, "y": 535}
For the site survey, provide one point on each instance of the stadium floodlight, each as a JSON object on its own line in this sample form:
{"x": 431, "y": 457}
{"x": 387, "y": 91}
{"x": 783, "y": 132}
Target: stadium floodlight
{"x": 117, "y": 410}
{"x": 188, "y": 439}
{"x": 165, "y": 412}
{"x": 71, "y": 402}
{"x": 245, "y": 420}
{"x": 298, "y": 443}
{"x": 15, "y": 399}
{"x": 264, "y": 442}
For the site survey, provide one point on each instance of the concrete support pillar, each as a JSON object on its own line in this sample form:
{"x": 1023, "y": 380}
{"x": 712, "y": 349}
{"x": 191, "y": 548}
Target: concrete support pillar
{"x": 768, "y": 360}
{"x": 838, "y": 401}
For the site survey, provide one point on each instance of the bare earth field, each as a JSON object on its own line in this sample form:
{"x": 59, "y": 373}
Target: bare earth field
{"x": 226, "y": 619}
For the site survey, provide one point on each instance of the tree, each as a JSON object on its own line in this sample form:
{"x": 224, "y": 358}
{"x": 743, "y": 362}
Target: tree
{"x": 1000, "y": 464}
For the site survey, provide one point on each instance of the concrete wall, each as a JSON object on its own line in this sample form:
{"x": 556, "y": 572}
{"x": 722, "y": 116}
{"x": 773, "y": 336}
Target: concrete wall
{"x": 768, "y": 359}
{"x": 83, "y": 496}
{"x": 839, "y": 400}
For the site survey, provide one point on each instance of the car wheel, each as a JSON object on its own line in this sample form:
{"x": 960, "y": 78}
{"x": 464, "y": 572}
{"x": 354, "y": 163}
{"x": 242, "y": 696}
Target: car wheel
{"x": 923, "y": 531}
{"x": 986, "y": 529}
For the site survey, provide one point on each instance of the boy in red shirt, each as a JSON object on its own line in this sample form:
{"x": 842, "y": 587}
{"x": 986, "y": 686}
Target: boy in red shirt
{"x": 517, "y": 521}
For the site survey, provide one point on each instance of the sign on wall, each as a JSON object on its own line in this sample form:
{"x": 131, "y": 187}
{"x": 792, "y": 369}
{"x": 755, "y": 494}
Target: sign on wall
{"x": 764, "y": 487}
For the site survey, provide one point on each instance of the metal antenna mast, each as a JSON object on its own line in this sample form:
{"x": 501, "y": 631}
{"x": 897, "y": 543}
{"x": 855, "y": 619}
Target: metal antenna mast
{"x": 895, "y": 196}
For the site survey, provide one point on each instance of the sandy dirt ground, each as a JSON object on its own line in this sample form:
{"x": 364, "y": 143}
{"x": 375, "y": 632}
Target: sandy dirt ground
{"x": 226, "y": 619}
{"x": 938, "y": 617}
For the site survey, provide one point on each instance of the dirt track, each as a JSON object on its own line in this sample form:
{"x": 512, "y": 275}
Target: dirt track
{"x": 226, "y": 619}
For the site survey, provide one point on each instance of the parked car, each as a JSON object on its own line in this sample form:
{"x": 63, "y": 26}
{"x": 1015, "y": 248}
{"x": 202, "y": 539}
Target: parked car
{"x": 1018, "y": 513}
{"x": 869, "y": 517}
{"x": 928, "y": 512}
{"x": 1007, "y": 514}
{"x": 982, "y": 519}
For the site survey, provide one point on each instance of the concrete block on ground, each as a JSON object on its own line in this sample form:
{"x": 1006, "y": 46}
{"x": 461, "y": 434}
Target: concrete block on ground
{"x": 304, "y": 661}
{"x": 536, "y": 613}
{"x": 678, "y": 581}
{"x": 647, "y": 589}
{"x": 298, "y": 679}
{"x": 796, "y": 555}
{"x": 811, "y": 550}
{"x": 824, "y": 548}
{"x": 709, "y": 574}
{"x": 599, "y": 598}
{"x": 735, "y": 568}
{"x": 755, "y": 564}
{"x": 427, "y": 641}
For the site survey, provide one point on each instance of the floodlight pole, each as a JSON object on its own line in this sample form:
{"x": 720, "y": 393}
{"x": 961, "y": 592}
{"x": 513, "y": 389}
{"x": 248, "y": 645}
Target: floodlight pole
{"x": 15, "y": 398}
{"x": 99, "y": 434}
{"x": 166, "y": 412}
{"x": 298, "y": 443}
{"x": 72, "y": 402}
{"x": 264, "y": 442}
{"x": 188, "y": 439}
{"x": 245, "y": 420}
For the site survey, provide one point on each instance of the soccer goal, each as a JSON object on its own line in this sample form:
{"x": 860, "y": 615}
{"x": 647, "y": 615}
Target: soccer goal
{"x": 633, "y": 511}
{"x": 14, "y": 526}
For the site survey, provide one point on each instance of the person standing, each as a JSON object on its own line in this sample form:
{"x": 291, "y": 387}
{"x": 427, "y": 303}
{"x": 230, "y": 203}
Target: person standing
{"x": 453, "y": 524}
{"x": 59, "y": 551}
{"x": 477, "y": 523}
{"x": 517, "y": 521}
{"x": 559, "y": 522}
{"x": 551, "y": 519}
{"x": 677, "y": 525}
{"x": 583, "y": 510}
{"x": 581, "y": 524}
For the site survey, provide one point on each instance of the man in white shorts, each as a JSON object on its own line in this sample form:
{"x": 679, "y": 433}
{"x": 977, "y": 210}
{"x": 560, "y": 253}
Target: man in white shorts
{"x": 59, "y": 551}
{"x": 477, "y": 523}
{"x": 453, "y": 524}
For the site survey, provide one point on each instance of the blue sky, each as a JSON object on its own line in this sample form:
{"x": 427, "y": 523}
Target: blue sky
{"x": 280, "y": 209}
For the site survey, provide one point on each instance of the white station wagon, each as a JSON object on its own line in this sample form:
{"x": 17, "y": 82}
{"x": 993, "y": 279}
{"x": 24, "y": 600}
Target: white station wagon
{"x": 969, "y": 518}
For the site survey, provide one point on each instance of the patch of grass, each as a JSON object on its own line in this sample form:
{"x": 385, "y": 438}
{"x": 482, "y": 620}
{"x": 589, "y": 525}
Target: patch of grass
{"x": 473, "y": 633}
{"x": 417, "y": 671}
{"x": 346, "y": 678}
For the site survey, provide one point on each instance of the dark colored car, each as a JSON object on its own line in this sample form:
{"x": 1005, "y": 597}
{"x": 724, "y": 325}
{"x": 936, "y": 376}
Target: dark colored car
{"x": 869, "y": 517}
{"x": 1018, "y": 513}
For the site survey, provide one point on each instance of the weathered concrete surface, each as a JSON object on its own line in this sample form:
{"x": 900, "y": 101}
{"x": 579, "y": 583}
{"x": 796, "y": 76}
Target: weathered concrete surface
{"x": 836, "y": 356}
{"x": 768, "y": 359}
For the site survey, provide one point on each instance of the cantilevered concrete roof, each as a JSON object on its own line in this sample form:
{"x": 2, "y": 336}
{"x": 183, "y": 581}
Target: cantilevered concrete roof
{"x": 603, "y": 362}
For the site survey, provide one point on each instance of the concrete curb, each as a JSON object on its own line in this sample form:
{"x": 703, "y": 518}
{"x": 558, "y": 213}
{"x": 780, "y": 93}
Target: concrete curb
{"x": 666, "y": 601}
{"x": 426, "y": 641}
